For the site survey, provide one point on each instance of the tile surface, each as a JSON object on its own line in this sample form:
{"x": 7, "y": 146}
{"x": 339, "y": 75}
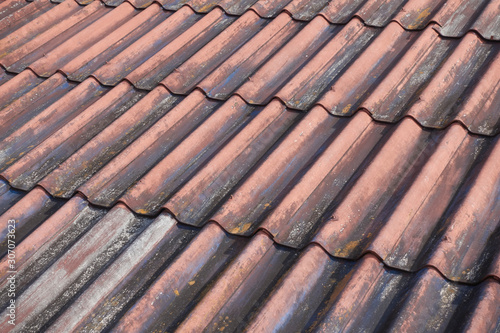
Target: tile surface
{"x": 251, "y": 165}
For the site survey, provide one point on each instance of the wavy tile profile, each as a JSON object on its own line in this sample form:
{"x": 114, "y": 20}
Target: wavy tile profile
{"x": 88, "y": 268}
{"x": 350, "y": 184}
{"x": 454, "y": 18}
{"x": 260, "y": 166}
{"x": 422, "y": 74}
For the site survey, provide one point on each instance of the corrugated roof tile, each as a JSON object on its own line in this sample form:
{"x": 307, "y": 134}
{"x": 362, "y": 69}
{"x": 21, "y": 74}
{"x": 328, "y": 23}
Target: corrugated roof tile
{"x": 185, "y": 77}
{"x": 95, "y": 268}
{"x": 16, "y": 13}
{"x": 266, "y": 61}
{"x": 37, "y": 38}
{"x": 72, "y": 173}
{"x": 92, "y": 58}
{"x": 153, "y": 41}
{"x": 21, "y": 135}
{"x": 8, "y": 196}
{"x": 157, "y": 67}
{"x": 262, "y": 167}
{"x": 251, "y": 165}
{"x": 454, "y": 18}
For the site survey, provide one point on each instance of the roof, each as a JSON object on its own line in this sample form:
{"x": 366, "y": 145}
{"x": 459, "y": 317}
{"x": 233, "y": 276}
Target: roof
{"x": 251, "y": 165}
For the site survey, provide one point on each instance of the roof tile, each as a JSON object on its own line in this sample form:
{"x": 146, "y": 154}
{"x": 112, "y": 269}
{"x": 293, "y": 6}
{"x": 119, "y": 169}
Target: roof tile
{"x": 157, "y": 67}
{"x": 91, "y": 59}
{"x": 251, "y": 165}
{"x": 153, "y": 41}
{"x": 16, "y": 13}
{"x": 275, "y": 59}
{"x": 106, "y": 258}
{"x": 299, "y": 177}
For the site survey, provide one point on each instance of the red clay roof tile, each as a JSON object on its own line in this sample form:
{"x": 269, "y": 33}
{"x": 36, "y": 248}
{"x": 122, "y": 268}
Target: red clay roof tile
{"x": 251, "y": 165}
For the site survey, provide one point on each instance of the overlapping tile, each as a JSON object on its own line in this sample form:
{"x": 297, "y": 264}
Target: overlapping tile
{"x": 164, "y": 174}
{"x": 302, "y": 63}
{"x": 16, "y": 13}
{"x": 454, "y": 18}
{"x": 89, "y": 268}
{"x": 337, "y": 181}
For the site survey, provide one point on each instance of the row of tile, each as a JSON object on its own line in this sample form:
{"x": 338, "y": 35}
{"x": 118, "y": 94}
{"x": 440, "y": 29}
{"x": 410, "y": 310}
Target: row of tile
{"x": 91, "y": 269}
{"x": 350, "y": 184}
{"x": 454, "y": 17}
{"x": 396, "y": 72}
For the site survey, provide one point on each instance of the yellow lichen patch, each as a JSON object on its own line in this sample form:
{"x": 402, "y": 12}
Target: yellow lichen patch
{"x": 242, "y": 229}
{"x": 346, "y": 250}
{"x": 346, "y": 109}
{"x": 191, "y": 282}
{"x": 206, "y": 7}
{"x": 176, "y": 292}
{"x": 142, "y": 211}
{"x": 420, "y": 18}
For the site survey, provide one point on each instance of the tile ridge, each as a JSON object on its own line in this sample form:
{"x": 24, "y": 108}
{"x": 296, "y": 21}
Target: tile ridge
{"x": 228, "y": 10}
{"x": 262, "y": 230}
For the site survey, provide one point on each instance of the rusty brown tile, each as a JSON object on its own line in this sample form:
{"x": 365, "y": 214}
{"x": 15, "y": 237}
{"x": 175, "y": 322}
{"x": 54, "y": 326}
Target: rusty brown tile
{"x": 123, "y": 272}
{"x": 232, "y": 7}
{"x": 50, "y": 292}
{"x": 238, "y": 215}
{"x": 223, "y": 81}
{"x": 5, "y": 76}
{"x": 79, "y": 167}
{"x": 16, "y": 13}
{"x": 185, "y": 77}
{"x": 488, "y": 23}
{"x": 225, "y": 208}
{"x": 311, "y": 81}
{"x": 24, "y": 136}
{"x": 115, "y": 3}
{"x": 151, "y": 191}
{"x": 455, "y": 17}
{"x": 50, "y": 239}
{"x": 18, "y": 37}
{"x": 391, "y": 94}
{"x": 148, "y": 45}
{"x": 205, "y": 257}
{"x": 85, "y": 63}
{"x": 33, "y": 40}
{"x": 11, "y": 6}
{"x": 449, "y": 85}
{"x": 261, "y": 86}
{"x": 8, "y": 196}
{"x": 330, "y": 296}
{"x": 140, "y": 3}
{"x": 113, "y": 180}
{"x": 38, "y": 95}
{"x": 47, "y": 155}
{"x": 418, "y": 14}
{"x": 354, "y": 86}
{"x": 210, "y": 185}
{"x": 72, "y": 47}
{"x": 471, "y": 236}
{"x": 157, "y": 67}
{"x": 101, "y": 305}
{"x": 310, "y": 198}
{"x": 29, "y": 212}
{"x": 237, "y": 288}
{"x": 424, "y": 84}
{"x": 16, "y": 86}
{"x": 266, "y": 8}
{"x": 424, "y": 213}
{"x": 236, "y": 69}
{"x": 297, "y": 177}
